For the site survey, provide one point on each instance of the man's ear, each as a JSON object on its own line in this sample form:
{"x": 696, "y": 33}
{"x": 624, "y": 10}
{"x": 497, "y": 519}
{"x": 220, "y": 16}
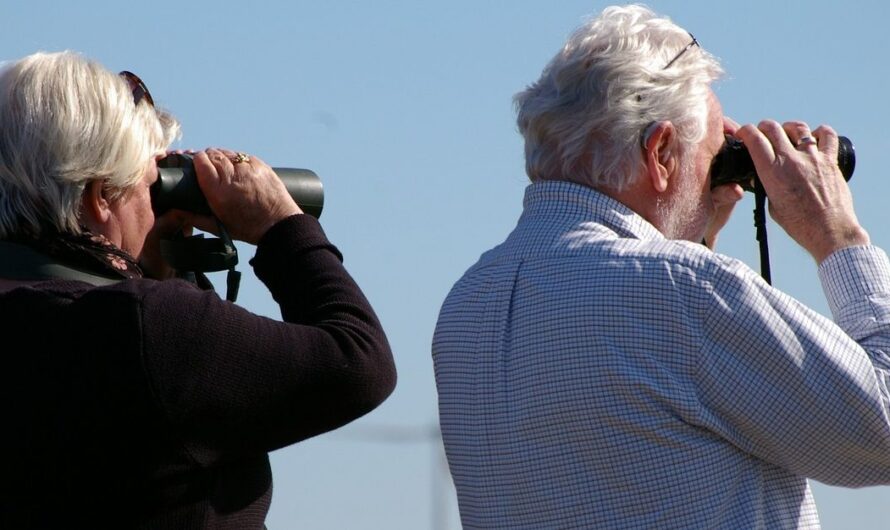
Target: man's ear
{"x": 659, "y": 142}
{"x": 94, "y": 205}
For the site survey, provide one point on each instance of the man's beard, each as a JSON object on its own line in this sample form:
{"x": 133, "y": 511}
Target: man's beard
{"x": 683, "y": 213}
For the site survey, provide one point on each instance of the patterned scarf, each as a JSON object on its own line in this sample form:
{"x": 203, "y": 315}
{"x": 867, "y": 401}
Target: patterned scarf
{"x": 87, "y": 251}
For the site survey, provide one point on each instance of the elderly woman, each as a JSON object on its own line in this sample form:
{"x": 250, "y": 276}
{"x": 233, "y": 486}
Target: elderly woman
{"x": 135, "y": 401}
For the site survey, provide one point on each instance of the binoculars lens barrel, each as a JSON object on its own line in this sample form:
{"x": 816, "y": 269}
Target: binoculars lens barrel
{"x": 177, "y": 187}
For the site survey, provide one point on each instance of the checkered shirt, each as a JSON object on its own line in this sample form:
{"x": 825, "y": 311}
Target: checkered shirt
{"x": 593, "y": 374}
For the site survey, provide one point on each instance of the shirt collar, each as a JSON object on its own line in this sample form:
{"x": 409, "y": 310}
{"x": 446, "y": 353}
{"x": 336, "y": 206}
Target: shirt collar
{"x": 556, "y": 198}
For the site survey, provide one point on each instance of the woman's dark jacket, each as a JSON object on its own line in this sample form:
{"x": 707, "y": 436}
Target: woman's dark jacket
{"x": 149, "y": 404}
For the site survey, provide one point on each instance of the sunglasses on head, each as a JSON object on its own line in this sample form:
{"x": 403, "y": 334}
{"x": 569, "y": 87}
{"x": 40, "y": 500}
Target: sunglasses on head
{"x": 688, "y": 47}
{"x": 140, "y": 91}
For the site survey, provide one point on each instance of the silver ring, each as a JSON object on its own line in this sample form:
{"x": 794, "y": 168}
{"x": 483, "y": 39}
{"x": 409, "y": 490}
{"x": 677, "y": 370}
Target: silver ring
{"x": 806, "y": 140}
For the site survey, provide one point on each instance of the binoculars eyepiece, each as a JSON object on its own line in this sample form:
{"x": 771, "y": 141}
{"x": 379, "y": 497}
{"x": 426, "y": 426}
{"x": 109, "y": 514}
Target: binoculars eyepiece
{"x": 733, "y": 163}
{"x": 177, "y": 187}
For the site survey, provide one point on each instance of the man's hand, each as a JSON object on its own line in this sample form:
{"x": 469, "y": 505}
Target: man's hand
{"x": 808, "y": 196}
{"x": 724, "y": 197}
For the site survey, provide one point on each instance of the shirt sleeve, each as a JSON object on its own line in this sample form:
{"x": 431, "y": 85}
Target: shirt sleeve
{"x": 228, "y": 380}
{"x": 790, "y": 386}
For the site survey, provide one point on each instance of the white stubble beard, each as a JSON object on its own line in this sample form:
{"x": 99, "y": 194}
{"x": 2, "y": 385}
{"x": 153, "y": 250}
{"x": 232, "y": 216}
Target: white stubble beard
{"x": 683, "y": 214}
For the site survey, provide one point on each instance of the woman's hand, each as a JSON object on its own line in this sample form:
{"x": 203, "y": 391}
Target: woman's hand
{"x": 173, "y": 223}
{"x": 243, "y": 192}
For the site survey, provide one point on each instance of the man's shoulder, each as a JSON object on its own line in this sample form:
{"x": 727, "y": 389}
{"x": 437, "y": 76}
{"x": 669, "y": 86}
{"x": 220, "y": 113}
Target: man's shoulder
{"x": 616, "y": 252}
{"x": 686, "y": 253}
{"x": 617, "y": 265}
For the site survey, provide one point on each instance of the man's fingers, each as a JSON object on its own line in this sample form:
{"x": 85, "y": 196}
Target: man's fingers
{"x": 726, "y": 195}
{"x": 828, "y": 141}
{"x": 758, "y": 145}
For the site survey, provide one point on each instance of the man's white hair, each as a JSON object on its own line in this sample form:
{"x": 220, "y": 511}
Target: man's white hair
{"x": 584, "y": 119}
{"x": 65, "y": 121}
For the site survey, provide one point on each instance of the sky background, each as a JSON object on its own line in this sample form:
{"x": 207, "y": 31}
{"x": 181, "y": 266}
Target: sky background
{"x": 404, "y": 110}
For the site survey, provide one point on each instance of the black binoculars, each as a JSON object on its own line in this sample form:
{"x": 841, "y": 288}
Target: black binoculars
{"x": 177, "y": 187}
{"x": 733, "y": 163}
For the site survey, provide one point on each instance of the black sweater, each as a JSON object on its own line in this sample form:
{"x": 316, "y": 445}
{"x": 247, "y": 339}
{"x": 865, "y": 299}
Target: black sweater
{"x": 148, "y": 404}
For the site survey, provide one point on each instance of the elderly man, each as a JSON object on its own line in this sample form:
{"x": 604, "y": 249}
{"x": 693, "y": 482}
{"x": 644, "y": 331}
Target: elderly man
{"x": 603, "y": 369}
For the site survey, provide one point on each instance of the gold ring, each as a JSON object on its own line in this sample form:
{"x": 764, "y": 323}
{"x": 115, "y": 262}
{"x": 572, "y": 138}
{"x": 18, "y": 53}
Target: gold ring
{"x": 240, "y": 157}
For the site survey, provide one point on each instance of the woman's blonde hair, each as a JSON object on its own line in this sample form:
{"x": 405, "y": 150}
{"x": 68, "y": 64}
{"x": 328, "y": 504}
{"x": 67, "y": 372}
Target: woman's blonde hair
{"x": 65, "y": 121}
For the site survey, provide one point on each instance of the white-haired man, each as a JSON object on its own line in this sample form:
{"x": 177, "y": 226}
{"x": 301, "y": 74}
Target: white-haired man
{"x": 603, "y": 369}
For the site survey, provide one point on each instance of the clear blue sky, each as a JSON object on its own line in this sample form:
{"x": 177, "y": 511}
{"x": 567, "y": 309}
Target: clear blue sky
{"x": 404, "y": 110}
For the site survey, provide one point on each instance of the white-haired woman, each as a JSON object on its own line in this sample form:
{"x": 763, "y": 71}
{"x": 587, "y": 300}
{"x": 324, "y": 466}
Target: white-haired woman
{"x": 134, "y": 402}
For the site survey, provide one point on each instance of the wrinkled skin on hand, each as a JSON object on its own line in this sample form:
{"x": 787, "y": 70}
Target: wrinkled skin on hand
{"x": 808, "y": 196}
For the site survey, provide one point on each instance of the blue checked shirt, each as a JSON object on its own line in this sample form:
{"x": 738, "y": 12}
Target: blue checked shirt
{"x": 593, "y": 374}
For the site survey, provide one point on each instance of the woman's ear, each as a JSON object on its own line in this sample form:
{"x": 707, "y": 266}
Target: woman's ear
{"x": 659, "y": 142}
{"x": 94, "y": 204}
